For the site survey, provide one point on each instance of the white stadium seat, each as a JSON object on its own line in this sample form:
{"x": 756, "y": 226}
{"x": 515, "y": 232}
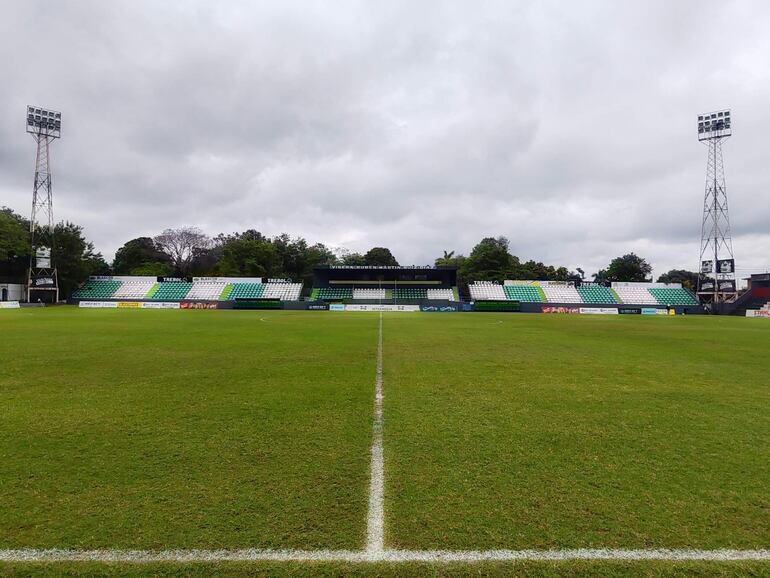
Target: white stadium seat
{"x": 133, "y": 289}
{"x": 368, "y": 293}
{"x": 635, "y": 295}
{"x": 441, "y": 294}
{"x": 282, "y": 291}
{"x": 561, "y": 294}
{"x": 210, "y": 290}
{"x": 485, "y": 290}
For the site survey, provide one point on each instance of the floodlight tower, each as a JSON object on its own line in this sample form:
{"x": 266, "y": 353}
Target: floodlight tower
{"x": 45, "y": 126}
{"x": 716, "y": 282}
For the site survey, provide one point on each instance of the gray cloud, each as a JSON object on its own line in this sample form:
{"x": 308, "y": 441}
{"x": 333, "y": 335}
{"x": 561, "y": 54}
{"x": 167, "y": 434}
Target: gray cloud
{"x": 419, "y": 126}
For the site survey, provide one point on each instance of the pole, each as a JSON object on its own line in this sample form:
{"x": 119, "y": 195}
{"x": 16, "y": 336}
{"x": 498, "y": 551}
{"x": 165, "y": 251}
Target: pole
{"x": 716, "y": 225}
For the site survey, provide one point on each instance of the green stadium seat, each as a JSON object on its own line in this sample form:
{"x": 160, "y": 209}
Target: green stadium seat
{"x": 410, "y": 293}
{"x": 334, "y": 293}
{"x": 246, "y": 291}
{"x": 673, "y": 296}
{"x": 97, "y": 289}
{"x": 523, "y": 293}
{"x": 171, "y": 291}
{"x": 596, "y": 294}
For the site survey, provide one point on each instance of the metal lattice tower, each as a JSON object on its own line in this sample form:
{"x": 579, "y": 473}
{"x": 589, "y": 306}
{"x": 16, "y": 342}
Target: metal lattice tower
{"x": 45, "y": 127}
{"x": 716, "y": 283}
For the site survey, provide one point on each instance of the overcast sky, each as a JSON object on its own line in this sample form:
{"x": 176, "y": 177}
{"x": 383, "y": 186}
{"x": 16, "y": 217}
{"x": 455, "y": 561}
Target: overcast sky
{"x": 568, "y": 127}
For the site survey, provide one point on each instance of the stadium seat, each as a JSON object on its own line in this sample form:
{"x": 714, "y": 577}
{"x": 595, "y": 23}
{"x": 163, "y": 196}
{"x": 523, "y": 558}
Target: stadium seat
{"x": 246, "y": 291}
{"x": 635, "y": 295}
{"x": 673, "y": 296}
{"x": 524, "y": 293}
{"x": 369, "y": 293}
{"x": 596, "y": 294}
{"x": 97, "y": 289}
{"x": 485, "y": 291}
{"x": 171, "y": 291}
{"x": 210, "y": 290}
{"x": 133, "y": 289}
{"x": 410, "y": 293}
{"x": 334, "y": 293}
{"x": 440, "y": 294}
{"x": 282, "y": 291}
{"x": 561, "y": 294}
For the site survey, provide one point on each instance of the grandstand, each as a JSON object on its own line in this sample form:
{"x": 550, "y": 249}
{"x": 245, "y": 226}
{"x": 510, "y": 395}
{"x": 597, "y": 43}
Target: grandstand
{"x": 388, "y": 285}
{"x": 566, "y": 293}
{"x": 385, "y": 285}
{"x": 214, "y": 289}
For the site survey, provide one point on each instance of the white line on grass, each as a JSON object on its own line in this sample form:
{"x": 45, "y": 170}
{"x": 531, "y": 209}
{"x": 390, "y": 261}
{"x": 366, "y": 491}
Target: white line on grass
{"x": 390, "y": 556}
{"x": 375, "y": 533}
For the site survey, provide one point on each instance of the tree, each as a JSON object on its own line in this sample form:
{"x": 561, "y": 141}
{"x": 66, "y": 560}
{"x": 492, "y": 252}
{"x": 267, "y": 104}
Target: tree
{"x": 14, "y": 245}
{"x": 14, "y": 235}
{"x": 688, "y": 279}
{"x": 243, "y": 257}
{"x": 450, "y": 259}
{"x": 180, "y": 245}
{"x": 630, "y": 268}
{"x": 141, "y": 254}
{"x": 349, "y": 259}
{"x": 380, "y": 257}
{"x": 74, "y": 257}
{"x": 488, "y": 261}
{"x": 298, "y": 258}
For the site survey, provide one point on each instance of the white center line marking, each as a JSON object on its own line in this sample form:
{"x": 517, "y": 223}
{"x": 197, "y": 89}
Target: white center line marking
{"x": 395, "y": 556}
{"x": 375, "y": 532}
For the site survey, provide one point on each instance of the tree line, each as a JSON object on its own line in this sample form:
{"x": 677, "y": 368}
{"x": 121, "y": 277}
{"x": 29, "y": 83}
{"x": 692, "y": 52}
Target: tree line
{"x": 187, "y": 252}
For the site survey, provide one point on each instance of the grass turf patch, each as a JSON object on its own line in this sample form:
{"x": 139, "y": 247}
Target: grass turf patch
{"x": 534, "y": 431}
{"x": 184, "y": 429}
{"x": 525, "y": 568}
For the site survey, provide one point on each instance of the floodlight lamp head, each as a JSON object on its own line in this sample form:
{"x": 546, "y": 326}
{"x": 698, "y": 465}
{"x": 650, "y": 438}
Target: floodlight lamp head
{"x": 43, "y": 122}
{"x": 713, "y": 125}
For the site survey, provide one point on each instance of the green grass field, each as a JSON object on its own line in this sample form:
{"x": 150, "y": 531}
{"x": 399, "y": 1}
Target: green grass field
{"x": 156, "y": 430}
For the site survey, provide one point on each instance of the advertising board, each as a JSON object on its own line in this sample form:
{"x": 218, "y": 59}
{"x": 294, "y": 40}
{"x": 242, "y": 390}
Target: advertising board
{"x": 438, "y": 308}
{"x": 43, "y": 280}
{"x": 551, "y": 309}
{"x": 598, "y": 311}
{"x": 758, "y": 313}
{"x": 336, "y": 307}
{"x": 128, "y": 305}
{"x": 160, "y": 305}
{"x": 198, "y": 305}
{"x": 356, "y": 307}
{"x": 629, "y": 311}
{"x": 9, "y": 304}
{"x": 726, "y": 266}
{"x": 649, "y": 310}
